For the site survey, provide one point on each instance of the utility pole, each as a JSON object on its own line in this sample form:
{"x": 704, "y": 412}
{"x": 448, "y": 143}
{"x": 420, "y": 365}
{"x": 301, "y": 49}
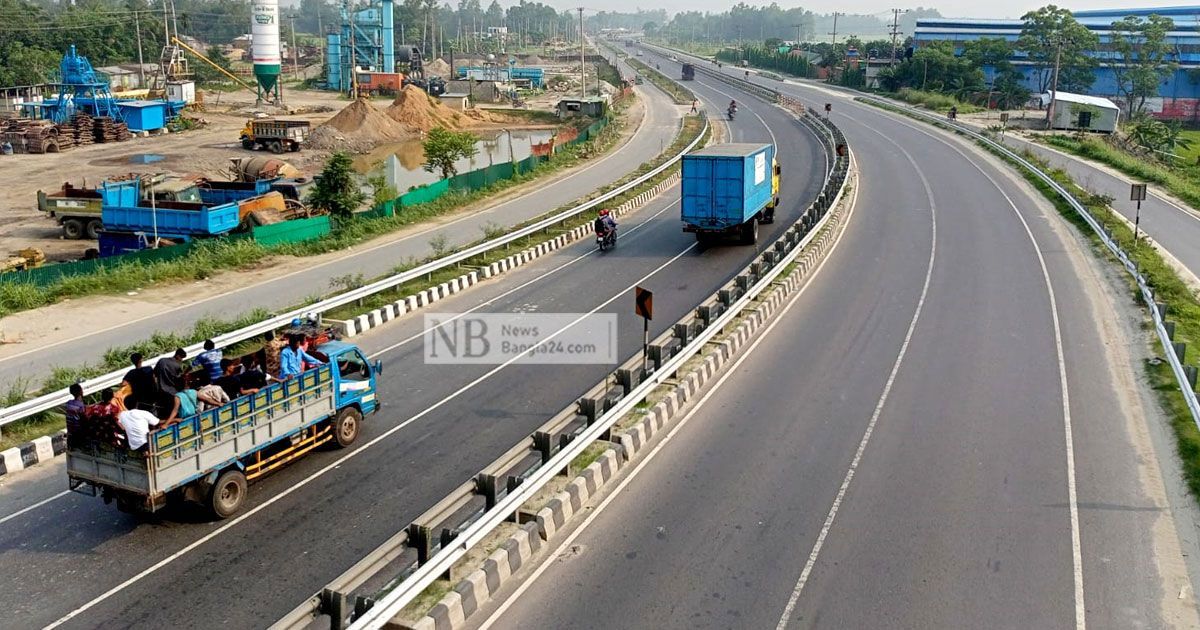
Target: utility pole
{"x": 137, "y": 25}
{"x": 295, "y": 57}
{"x": 797, "y": 27}
{"x": 834, "y": 32}
{"x": 1054, "y": 85}
{"x": 582, "y": 63}
{"x": 895, "y": 30}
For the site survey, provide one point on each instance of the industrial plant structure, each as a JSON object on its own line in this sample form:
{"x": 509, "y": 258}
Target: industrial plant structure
{"x": 1178, "y": 96}
{"x": 264, "y": 49}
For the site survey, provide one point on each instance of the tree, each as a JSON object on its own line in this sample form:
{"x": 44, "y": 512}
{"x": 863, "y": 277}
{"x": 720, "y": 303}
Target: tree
{"x": 336, "y": 190}
{"x": 1140, "y": 61}
{"x": 208, "y": 74}
{"x": 444, "y": 147}
{"x": 1051, "y": 34}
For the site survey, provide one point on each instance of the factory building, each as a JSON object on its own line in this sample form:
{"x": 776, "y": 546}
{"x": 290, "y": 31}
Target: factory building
{"x": 1179, "y": 95}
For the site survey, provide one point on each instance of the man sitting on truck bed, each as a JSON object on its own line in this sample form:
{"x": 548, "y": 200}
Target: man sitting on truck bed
{"x": 293, "y": 358}
{"x": 140, "y": 381}
{"x": 100, "y": 422}
{"x": 137, "y": 423}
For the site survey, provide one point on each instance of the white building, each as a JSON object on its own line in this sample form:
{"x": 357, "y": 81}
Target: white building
{"x": 1080, "y": 112}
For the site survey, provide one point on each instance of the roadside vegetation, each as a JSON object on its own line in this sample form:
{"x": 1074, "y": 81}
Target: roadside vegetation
{"x": 210, "y": 256}
{"x": 679, "y": 94}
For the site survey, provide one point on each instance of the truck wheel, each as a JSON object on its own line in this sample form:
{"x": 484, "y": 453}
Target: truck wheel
{"x": 294, "y": 147}
{"x": 73, "y": 229}
{"x": 346, "y": 427}
{"x": 704, "y": 239}
{"x": 227, "y": 494}
{"x": 275, "y": 146}
{"x": 93, "y": 229}
{"x": 247, "y": 144}
{"x": 750, "y": 232}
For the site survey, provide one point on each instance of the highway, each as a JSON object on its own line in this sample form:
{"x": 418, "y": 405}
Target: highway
{"x": 72, "y": 559}
{"x": 277, "y": 292}
{"x": 945, "y": 429}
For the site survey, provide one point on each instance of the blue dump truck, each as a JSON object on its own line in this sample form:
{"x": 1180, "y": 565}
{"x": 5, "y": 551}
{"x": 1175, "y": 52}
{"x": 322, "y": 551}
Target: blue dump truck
{"x": 728, "y": 189}
{"x": 209, "y": 458}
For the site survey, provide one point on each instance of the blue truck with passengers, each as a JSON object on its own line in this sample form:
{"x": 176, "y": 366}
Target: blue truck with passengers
{"x": 728, "y": 189}
{"x": 210, "y": 457}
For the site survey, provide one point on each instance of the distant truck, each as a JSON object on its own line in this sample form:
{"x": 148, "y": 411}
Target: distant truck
{"x": 127, "y": 209}
{"x": 728, "y": 189}
{"x": 209, "y": 458}
{"x": 689, "y": 72}
{"x": 275, "y": 134}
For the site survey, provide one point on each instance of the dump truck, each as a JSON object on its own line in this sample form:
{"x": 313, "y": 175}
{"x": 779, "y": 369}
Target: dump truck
{"x": 689, "y": 72}
{"x": 127, "y": 210}
{"x": 728, "y": 190}
{"x": 79, "y": 209}
{"x": 275, "y": 134}
{"x": 210, "y": 458}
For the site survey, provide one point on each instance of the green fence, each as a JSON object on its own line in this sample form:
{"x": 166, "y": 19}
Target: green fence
{"x": 425, "y": 194}
{"x": 49, "y": 274}
{"x": 295, "y": 231}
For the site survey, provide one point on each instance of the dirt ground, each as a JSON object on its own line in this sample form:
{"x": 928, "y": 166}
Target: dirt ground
{"x": 205, "y": 151}
{"x": 62, "y": 321}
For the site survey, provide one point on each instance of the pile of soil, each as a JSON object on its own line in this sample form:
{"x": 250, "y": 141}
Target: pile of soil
{"x": 437, "y": 68}
{"x": 479, "y": 115}
{"x": 357, "y": 128}
{"x": 417, "y": 111}
{"x": 533, "y": 60}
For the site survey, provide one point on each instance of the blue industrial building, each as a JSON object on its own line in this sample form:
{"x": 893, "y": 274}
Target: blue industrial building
{"x": 1179, "y": 96}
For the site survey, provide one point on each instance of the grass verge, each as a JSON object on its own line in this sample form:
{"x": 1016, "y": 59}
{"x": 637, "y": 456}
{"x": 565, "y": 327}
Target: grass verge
{"x": 1181, "y": 183}
{"x": 209, "y": 256}
{"x": 678, "y": 93}
{"x": 1167, "y": 285}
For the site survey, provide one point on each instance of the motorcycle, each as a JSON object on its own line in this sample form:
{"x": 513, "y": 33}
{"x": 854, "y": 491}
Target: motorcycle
{"x": 731, "y": 112}
{"x": 606, "y": 239}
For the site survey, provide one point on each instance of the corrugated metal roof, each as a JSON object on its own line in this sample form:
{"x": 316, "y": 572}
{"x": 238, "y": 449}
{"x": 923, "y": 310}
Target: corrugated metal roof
{"x": 731, "y": 149}
{"x": 1082, "y": 99}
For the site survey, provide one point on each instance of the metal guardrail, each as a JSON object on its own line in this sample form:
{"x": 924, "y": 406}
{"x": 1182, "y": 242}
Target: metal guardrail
{"x": 52, "y": 400}
{"x": 755, "y": 279}
{"x": 1181, "y": 377}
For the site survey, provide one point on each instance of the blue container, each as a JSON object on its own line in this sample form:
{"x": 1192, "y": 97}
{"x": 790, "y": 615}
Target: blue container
{"x": 726, "y": 185}
{"x": 144, "y": 115}
{"x": 216, "y": 193}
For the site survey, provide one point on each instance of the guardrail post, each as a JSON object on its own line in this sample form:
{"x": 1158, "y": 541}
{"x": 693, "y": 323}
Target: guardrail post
{"x": 487, "y": 486}
{"x": 543, "y": 443}
{"x": 1180, "y": 349}
{"x": 1190, "y": 372}
{"x": 334, "y": 604}
{"x": 1162, "y": 309}
{"x": 420, "y": 539}
{"x": 1170, "y": 327}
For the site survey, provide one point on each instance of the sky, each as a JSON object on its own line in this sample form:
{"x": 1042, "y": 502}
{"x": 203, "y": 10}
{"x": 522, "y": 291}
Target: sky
{"x": 949, "y": 8}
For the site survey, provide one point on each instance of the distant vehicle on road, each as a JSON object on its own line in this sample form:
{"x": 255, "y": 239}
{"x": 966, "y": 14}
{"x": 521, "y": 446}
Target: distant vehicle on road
{"x": 210, "y": 457}
{"x": 275, "y": 134}
{"x": 689, "y": 72}
{"x": 728, "y": 190}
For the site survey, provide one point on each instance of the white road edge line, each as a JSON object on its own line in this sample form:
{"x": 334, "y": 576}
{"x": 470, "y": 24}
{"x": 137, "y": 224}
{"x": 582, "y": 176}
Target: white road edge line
{"x": 338, "y": 462}
{"x": 729, "y": 371}
{"x": 790, "y": 607}
{"x": 34, "y": 506}
{"x": 1076, "y": 543}
{"x": 489, "y": 302}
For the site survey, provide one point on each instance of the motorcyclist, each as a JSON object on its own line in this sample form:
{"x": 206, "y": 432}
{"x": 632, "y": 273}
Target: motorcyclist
{"x": 605, "y": 223}
{"x": 733, "y": 106}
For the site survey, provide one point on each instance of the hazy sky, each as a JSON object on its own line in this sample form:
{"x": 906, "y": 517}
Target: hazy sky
{"x": 949, "y": 8}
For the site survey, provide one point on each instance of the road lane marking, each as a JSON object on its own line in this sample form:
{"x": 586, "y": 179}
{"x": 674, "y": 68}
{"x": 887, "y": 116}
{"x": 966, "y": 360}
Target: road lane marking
{"x": 34, "y": 506}
{"x": 1072, "y": 496}
{"x": 731, "y": 370}
{"x": 887, "y": 388}
{"x": 631, "y": 230}
{"x": 338, "y": 462}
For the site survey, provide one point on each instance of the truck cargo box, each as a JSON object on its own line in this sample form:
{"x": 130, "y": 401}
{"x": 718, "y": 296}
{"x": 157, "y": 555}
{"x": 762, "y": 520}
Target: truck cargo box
{"x": 726, "y": 185}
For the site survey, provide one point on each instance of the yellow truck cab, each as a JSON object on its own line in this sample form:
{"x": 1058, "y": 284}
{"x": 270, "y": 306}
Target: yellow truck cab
{"x": 769, "y": 212}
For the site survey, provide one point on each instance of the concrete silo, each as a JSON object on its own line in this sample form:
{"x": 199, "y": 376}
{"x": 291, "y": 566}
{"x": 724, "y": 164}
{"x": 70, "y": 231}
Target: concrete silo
{"x": 264, "y": 49}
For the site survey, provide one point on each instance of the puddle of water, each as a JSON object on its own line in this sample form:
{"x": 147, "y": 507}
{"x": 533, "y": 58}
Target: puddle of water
{"x": 407, "y": 169}
{"x": 146, "y": 158}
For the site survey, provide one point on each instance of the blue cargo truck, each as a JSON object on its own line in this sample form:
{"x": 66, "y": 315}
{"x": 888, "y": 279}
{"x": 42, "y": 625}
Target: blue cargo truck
{"x": 210, "y": 457}
{"x": 728, "y": 189}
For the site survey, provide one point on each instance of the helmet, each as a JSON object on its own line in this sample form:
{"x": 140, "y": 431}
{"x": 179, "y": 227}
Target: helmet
{"x": 604, "y": 212}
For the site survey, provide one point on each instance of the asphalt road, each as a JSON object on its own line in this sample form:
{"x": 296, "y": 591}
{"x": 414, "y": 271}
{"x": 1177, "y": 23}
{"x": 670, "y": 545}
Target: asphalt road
{"x": 72, "y": 556}
{"x": 276, "y": 293}
{"x": 944, "y": 431}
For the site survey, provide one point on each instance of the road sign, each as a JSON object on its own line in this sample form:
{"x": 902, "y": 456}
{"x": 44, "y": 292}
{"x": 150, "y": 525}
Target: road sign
{"x": 1137, "y": 192}
{"x": 1003, "y": 117}
{"x": 644, "y": 303}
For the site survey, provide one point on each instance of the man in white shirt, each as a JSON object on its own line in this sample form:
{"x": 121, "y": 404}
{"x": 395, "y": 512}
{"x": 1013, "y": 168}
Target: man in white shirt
{"x": 137, "y": 423}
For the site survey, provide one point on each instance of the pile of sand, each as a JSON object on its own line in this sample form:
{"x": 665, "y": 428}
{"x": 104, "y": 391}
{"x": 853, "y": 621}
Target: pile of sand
{"x": 533, "y": 60}
{"x": 479, "y": 116}
{"x": 357, "y": 128}
{"x": 417, "y": 111}
{"x": 437, "y": 68}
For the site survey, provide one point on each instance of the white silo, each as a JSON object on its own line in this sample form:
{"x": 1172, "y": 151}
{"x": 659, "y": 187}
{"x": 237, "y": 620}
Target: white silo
{"x": 264, "y": 48}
